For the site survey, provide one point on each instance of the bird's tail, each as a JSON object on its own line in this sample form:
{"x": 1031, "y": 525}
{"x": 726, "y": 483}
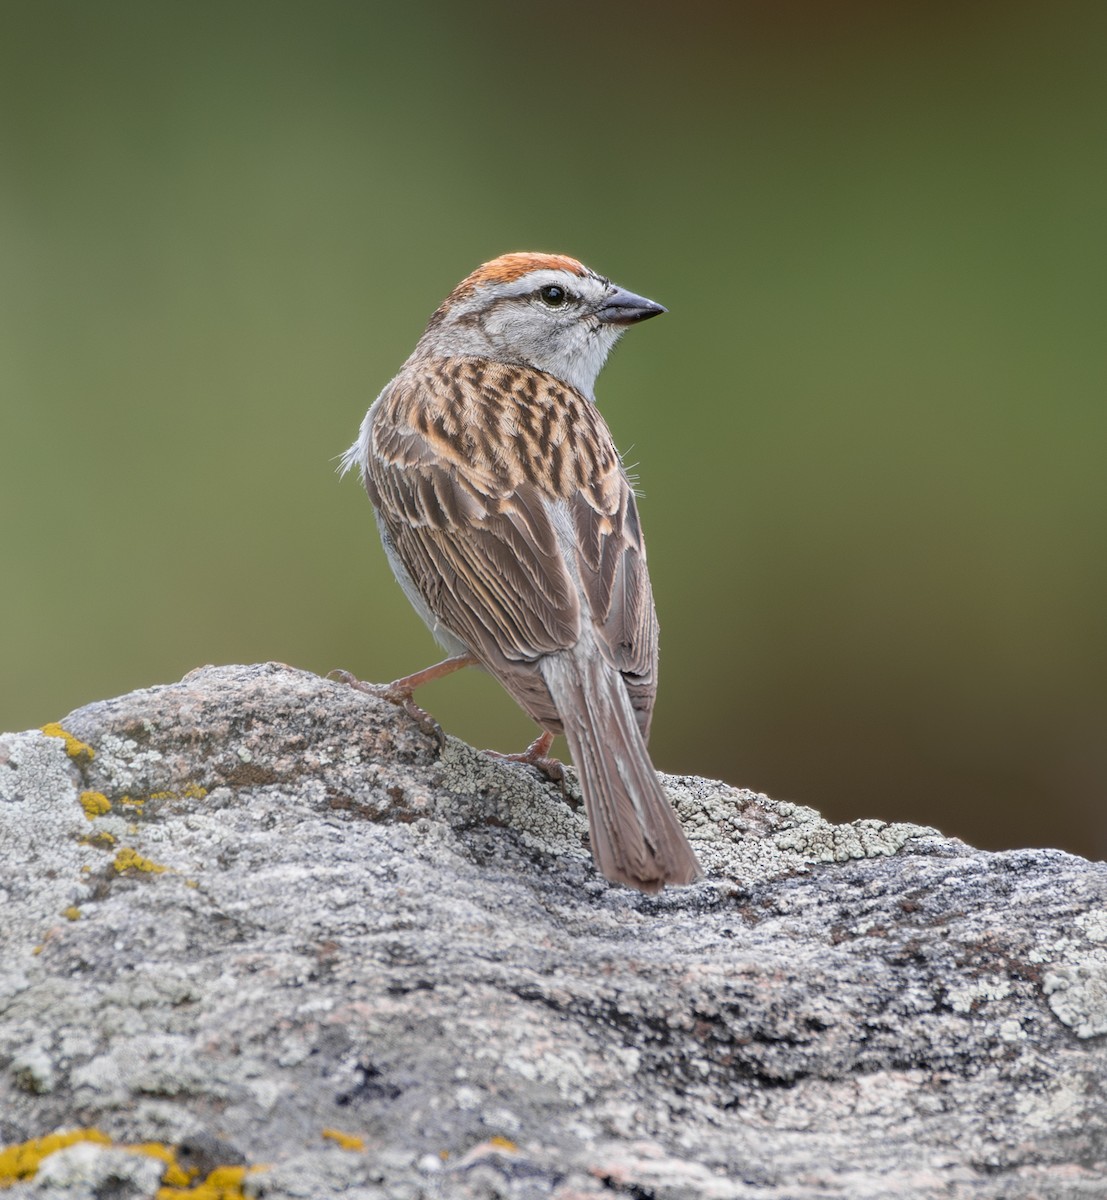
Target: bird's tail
{"x": 636, "y": 837}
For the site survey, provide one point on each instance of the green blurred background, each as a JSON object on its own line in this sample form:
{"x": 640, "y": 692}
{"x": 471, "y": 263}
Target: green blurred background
{"x": 870, "y": 432}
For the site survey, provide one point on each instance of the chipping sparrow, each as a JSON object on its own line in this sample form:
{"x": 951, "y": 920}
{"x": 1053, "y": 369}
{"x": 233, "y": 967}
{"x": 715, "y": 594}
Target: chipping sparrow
{"x": 509, "y": 522}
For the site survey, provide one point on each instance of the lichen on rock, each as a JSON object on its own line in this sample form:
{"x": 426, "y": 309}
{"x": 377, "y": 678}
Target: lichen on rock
{"x": 360, "y": 927}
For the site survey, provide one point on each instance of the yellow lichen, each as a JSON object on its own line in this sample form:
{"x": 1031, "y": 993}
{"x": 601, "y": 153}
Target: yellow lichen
{"x": 23, "y": 1161}
{"x": 102, "y": 840}
{"x": 348, "y": 1141}
{"x": 135, "y": 802}
{"x": 192, "y": 792}
{"x": 175, "y": 1175}
{"x": 95, "y": 804}
{"x": 74, "y": 747}
{"x": 502, "y": 1143}
{"x": 224, "y": 1183}
{"x": 72, "y": 913}
{"x": 129, "y": 859}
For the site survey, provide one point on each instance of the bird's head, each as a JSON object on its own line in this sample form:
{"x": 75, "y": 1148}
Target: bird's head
{"x": 541, "y": 310}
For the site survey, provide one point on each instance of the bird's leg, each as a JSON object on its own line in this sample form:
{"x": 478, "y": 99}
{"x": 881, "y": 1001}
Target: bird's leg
{"x": 537, "y": 754}
{"x": 400, "y": 691}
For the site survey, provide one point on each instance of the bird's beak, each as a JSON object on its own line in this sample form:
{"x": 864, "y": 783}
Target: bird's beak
{"x": 625, "y": 308}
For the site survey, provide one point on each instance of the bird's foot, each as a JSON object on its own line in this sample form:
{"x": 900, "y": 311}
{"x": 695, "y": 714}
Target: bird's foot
{"x": 398, "y": 692}
{"x": 537, "y": 755}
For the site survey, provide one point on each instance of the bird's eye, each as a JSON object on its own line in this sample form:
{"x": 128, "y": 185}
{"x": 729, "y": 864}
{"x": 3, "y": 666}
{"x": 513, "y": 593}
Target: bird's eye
{"x": 553, "y": 295}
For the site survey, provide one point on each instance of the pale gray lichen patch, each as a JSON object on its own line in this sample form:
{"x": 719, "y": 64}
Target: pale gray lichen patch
{"x": 1094, "y": 924}
{"x": 1062, "y": 1103}
{"x": 125, "y": 763}
{"x": 748, "y": 836}
{"x": 1078, "y": 996}
{"x": 32, "y": 1069}
{"x": 815, "y": 840}
{"x": 36, "y": 774}
{"x": 1075, "y": 978}
{"x": 968, "y": 997}
{"x": 526, "y": 802}
{"x": 41, "y": 827}
{"x": 93, "y": 1171}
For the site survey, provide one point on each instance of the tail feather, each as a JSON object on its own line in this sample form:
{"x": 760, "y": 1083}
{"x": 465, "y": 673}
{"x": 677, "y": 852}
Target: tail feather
{"x": 636, "y": 836}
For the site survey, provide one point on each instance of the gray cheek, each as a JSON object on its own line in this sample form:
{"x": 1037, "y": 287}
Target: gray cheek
{"x": 527, "y": 338}
{"x": 507, "y": 335}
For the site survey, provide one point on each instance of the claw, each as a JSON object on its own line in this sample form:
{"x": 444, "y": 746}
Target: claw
{"x": 537, "y": 755}
{"x": 397, "y": 693}
{"x": 350, "y": 679}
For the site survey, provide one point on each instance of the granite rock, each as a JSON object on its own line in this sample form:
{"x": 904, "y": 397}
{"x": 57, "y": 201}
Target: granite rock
{"x": 268, "y": 920}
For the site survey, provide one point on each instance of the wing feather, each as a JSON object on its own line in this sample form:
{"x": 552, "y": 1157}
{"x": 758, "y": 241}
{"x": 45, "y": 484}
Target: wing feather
{"x": 502, "y": 494}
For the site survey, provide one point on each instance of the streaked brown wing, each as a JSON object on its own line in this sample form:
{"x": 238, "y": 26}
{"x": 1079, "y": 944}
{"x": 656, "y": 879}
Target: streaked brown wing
{"x": 612, "y": 562}
{"x": 498, "y": 583}
{"x": 611, "y": 557}
{"x": 468, "y": 462}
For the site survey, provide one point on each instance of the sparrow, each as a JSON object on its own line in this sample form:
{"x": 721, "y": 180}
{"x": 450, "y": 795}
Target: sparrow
{"x": 510, "y": 523}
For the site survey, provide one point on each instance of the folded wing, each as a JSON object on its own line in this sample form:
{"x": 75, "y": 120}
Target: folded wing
{"x": 503, "y": 496}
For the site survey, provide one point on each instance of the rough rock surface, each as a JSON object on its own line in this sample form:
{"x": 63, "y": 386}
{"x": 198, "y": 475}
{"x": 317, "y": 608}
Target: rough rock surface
{"x": 256, "y": 905}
